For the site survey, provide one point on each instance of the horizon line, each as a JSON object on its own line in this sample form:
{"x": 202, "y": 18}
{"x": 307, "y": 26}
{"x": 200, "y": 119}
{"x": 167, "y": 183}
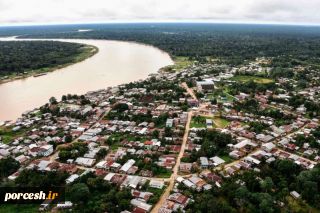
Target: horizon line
{"x": 161, "y": 22}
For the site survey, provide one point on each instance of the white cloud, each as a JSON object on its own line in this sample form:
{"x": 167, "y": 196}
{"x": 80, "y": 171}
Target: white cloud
{"x": 78, "y": 11}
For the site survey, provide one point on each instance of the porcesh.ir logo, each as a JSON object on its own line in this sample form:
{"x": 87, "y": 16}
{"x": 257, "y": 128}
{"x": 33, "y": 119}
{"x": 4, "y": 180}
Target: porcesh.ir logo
{"x": 23, "y": 195}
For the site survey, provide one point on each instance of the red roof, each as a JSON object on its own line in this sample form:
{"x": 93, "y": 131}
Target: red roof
{"x": 148, "y": 143}
{"x": 138, "y": 210}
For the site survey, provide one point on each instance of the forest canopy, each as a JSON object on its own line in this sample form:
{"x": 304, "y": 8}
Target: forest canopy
{"x": 232, "y": 43}
{"x": 24, "y": 56}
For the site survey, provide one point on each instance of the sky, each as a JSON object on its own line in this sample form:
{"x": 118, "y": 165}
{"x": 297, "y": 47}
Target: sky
{"x": 33, "y": 12}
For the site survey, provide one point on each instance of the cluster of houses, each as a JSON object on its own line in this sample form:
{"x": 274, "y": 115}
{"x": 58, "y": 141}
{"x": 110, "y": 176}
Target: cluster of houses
{"x": 84, "y": 120}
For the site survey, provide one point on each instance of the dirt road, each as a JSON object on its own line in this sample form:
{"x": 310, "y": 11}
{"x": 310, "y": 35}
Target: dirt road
{"x": 174, "y": 175}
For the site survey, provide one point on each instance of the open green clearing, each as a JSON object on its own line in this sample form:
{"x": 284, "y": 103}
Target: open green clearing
{"x": 221, "y": 97}
{"x": 221, "y": 122}
{"x": 7, "y": 135}
{"x": 180, "y": 63}
{"x": 256, "y": 79}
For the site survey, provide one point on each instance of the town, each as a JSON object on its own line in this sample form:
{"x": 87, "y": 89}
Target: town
{"x": 174, "y": 136}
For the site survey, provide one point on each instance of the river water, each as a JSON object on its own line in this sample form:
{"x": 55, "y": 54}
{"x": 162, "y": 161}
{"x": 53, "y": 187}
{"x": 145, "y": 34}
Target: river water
{"x": 116, "y": 62}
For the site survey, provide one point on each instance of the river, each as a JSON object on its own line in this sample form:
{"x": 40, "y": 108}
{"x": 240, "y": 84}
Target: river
{"x": 116, "y": 63}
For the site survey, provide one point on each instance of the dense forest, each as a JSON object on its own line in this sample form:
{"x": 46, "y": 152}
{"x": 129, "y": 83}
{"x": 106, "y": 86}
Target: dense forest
{"x": 267, "y": 191}
{"x": 234, "y": 43}
{"x": 23, "y": 56}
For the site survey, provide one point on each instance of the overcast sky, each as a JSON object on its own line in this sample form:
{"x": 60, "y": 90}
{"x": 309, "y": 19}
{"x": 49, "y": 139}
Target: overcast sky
{"x": 17, "y": 12}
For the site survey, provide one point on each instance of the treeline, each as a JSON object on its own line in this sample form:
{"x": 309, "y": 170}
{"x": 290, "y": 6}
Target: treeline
{"x": 23, "y": 56}
{"x": 229, "y": 42}
{"x": 267, "y": 191}
{"x": 89, "y": 192}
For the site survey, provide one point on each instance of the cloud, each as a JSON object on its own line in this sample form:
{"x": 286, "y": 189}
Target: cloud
{"x": 78, "y": 11}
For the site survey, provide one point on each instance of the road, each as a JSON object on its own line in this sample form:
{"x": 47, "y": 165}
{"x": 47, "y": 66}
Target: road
{"x": 174, "y": 175}
{"x": 189, "y": 90}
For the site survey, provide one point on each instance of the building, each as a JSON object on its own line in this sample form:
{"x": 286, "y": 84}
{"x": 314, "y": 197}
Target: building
{"x": 88, "y": 162}
{"x": 205, "y": 86}
{"x": 217, "y": 161}
{"x": 127, "y": 166}
{"x": 156, "y": 184}
{"x": 204, "y": 162}
{"x": 140, "y": 204}
{"x": 169, "y": 123}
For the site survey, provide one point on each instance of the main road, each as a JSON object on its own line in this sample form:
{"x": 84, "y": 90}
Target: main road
{"x": 174, "y": 175}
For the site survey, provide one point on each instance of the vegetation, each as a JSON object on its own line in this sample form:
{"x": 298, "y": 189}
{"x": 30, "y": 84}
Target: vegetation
{"x": 73, "y": 151}
{"x": 264, "y": 191}
{"x": 256, "y": 79}
{"x": 21, "y": 57}
{"x": 231, "y": 43}
{"x": 180, "y": 63}
{"x": 8, "y": 166}
{"x": 198, "y": 122}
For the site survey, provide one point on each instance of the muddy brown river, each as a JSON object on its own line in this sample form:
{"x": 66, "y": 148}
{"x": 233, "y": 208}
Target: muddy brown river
{"x": 116, "y": 63}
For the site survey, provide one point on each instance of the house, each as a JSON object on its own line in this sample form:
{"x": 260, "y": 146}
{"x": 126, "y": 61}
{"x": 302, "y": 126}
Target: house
{"x": 205, "y": 86}
{"x": 88, "y": 162}
{"x": 217, "y": 161}
{"x": 185, "y": 167}
{"x": 45, "y": 150}
{"x": 179, "y": 198}
{"x": 21, "y": 159}
{"x": 204, "y": 162}
{"x": 295, "y": 194}
{"x": 140, "y": 204}
{"x": 302, "y": 109}
{"x": 264, "y": 138}
{"x": 4, "y": 152}
{"x": 109, "y": 176}
{"x": 169, "y": 123}
{"x": 142, "y": 195}
{"x": 268, "y": 146}
{"x": 132, "y": 181}
{"x": 244, "y": 145}
{"x": 189, "y": 184}
{"x": 236, "y": 154}
{"x": 72, "y": 178}
{"x": 198, "y": 182}
{"x": 127, "y": 165}
{"x": 209, "y": 123}
{"x": 65, "y": 205}
{"x": 156, "y": 184}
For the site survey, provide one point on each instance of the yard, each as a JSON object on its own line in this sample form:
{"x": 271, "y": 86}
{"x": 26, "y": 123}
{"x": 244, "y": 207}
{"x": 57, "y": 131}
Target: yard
{"x": 256, "y": 79}
{"x": 226, "y": 158}
{"x": 198, "y": 122}
{"x": 222, "y": 97}
{"x": 164, "y": 174}
{"x": 221, "y": 122}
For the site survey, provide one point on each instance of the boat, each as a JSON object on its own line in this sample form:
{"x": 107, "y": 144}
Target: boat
{"x": 38, "y": 75}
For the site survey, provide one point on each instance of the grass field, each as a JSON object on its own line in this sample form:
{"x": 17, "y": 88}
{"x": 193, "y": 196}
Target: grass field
{"x": 222, "y": 98}
{"x": 166, "y": 174}
{"x": 226, "y": 158}
{"x": 180, "y": 63}
{"x": 256, "y": 79}
{"x": 8, "y": 135}
{"x": 220, "y": 122}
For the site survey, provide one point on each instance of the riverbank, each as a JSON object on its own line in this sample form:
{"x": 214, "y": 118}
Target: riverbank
{"x": 89, "y": 51}
{"x": 115, "y": 63}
